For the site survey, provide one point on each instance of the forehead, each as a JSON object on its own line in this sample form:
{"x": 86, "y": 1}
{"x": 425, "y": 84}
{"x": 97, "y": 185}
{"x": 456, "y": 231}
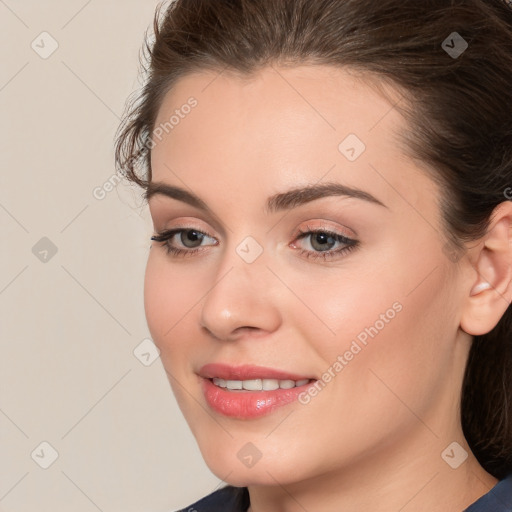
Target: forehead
{"x": 319, "y": 97}
{"x": 283, "y": 126}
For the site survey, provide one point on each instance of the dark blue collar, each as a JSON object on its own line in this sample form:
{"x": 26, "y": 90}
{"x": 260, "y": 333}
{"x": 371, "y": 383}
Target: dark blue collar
{"x": 498, "y": 499}
{"x": 236, "y": 499}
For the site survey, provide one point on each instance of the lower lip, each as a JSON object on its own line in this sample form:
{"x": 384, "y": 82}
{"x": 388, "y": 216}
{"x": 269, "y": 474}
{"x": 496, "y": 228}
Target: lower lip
{"x": 248, "y": 404}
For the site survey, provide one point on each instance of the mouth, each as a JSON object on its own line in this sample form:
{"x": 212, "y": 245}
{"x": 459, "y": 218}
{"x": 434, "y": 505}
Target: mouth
{"x": 248, "y": 391}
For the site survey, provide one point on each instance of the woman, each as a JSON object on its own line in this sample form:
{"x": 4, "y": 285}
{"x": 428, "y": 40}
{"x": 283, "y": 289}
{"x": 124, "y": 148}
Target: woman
{"x": 329, "y": 183}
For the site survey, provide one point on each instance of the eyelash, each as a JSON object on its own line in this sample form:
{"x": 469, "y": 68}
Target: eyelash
{"x": 350, "y": 244}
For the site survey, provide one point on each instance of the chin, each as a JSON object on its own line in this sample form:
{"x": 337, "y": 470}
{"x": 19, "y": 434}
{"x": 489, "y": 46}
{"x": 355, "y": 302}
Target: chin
{"x": 246, "y": 477}
{"x": 234, "y": 470}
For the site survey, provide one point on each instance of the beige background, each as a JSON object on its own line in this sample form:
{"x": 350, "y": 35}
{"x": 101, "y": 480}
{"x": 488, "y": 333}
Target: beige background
{"x": 70, "y": 321}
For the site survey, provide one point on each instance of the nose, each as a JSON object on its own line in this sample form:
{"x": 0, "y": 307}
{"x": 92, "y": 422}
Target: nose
{"x": 242, "y": 299}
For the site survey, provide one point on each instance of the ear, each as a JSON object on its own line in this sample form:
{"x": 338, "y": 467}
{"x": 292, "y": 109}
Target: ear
{"x": 489, "y": 288}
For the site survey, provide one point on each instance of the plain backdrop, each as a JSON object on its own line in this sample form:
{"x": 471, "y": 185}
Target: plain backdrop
{"x": 86, "y": 423}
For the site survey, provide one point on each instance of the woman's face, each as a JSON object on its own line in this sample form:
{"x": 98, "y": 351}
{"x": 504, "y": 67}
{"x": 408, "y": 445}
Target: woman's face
{"x": 366, "y": 301}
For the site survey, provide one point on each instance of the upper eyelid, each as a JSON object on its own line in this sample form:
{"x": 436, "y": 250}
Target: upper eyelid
{"x": 211, "y": 218}
{"x": 189, "y": 224}
{"x": 297, "y": 232}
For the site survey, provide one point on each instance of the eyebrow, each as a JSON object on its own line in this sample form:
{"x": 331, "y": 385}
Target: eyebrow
{"x": 278, "y": 202}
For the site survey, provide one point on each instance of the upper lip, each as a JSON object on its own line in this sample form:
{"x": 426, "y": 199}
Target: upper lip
{"x": 246, "y": 372}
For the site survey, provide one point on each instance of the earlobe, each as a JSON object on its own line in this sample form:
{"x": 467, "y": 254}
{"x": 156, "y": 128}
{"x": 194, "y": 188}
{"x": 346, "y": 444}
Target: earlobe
{"x": 490, "y": 284}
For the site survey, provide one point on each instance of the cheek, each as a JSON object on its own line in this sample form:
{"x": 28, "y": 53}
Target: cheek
{"x": 393, "y": 323}
{"x": 395, "y": 346}
{"x": 168, "y": 298}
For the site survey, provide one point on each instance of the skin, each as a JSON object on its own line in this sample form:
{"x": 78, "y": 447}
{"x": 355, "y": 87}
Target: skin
{"x": 372, "y": 439}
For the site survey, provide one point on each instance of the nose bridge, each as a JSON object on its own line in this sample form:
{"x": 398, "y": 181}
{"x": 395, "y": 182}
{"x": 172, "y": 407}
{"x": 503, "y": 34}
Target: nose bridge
{"x": 240, "y": 296}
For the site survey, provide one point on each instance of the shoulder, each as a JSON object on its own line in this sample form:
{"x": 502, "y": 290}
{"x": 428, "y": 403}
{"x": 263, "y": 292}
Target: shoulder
{"x": 498, "y": 499}
{"x": 226, "y": 499}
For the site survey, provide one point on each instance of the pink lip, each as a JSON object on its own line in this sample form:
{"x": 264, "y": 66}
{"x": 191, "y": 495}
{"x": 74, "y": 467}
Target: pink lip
{"x": 246, "y": 372}
{"x": 243, "y": 404}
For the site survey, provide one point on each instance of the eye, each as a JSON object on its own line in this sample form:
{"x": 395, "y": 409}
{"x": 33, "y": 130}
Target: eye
{"x": 190, "y": 239}
{"x": 323, "y": 242}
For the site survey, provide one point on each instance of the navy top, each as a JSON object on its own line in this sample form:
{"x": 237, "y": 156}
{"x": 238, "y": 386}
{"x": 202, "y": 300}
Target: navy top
{"x": 236, "y": 499}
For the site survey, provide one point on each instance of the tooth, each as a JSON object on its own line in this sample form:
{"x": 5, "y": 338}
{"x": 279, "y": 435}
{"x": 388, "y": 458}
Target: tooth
{"x": 270, "y": 384}
{"x": 252, "y": 385}
{"x": 258, "y": 384}
{"x": 219, "y": 382}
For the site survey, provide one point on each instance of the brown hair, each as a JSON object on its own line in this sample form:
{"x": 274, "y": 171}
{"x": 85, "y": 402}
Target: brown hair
{"x": 458, "y": 107}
